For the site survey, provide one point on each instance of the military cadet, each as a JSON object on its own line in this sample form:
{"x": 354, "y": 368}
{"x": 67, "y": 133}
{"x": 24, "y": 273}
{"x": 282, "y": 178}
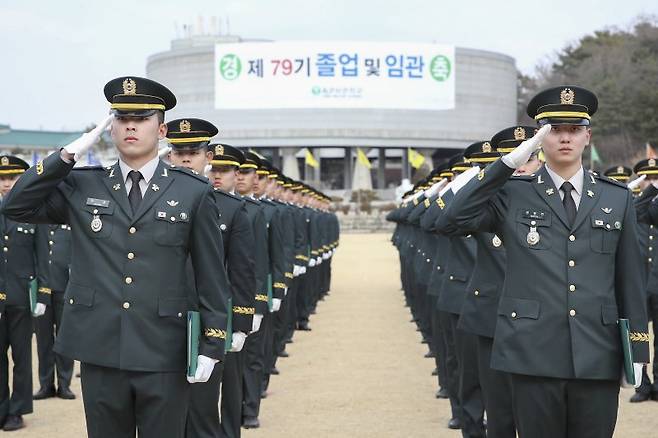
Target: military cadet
{"x": 54, "y": 257}
{"x": 134, "y": 226}
{"x": 571, "y": 242}
{"x": 647, "y": 170}
{"x": 18, "y": 269}
{"x": 189, "y": 139}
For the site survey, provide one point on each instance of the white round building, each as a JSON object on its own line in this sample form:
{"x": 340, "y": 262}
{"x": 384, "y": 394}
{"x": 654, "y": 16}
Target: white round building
{"x": 335, "y": 97}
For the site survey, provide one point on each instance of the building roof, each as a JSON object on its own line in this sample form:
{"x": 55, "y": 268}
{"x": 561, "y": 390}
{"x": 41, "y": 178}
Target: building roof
{"x": 34, "y": 139}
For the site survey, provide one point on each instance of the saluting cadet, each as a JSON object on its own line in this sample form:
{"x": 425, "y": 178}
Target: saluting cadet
{"x": 17, "y": 270}
{"x": 571, "y": 242}
{"x": 134, "y": 226}
{"x": 54, "y": 258}
{"x": 648, "y": 170}
{"x": 189, "y": 139}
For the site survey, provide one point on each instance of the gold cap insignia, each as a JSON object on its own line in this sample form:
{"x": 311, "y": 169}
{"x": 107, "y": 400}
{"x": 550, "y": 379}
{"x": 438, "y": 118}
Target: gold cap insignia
{"x": 519, "y": 133}
{"x": 219, "y": 150}
{"x": 4, "y": 161}
{"x": 567, "y": 96}
{"x": 651, "y": 162}
{"x": 486, "y": 147}
{"x": 620, "y": 169}
{"x": 129, "y": 86}
{"x": 185, "y": 126}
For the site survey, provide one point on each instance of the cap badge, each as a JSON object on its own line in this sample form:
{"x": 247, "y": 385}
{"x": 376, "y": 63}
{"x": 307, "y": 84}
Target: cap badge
{"x": 185, "y": 126}
{"x": 219, "y": 150}
{"x": 567, "y": 96}
{"x": 4, "y": 161}
{"x": 519, "y": 133}
{"x": 129, "y": 86}
{"x": 620, "y": 169}
{"x": 652, "y": 162}
{"x": 486, "y": 147}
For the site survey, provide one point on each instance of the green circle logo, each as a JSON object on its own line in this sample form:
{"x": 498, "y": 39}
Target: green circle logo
{"x": 230, "y": 67}
{"x": 440, "y": 68}
{"x": 316, "y": 90}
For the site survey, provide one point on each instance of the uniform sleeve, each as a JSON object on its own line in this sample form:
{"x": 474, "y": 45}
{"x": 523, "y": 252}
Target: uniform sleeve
{"x": 42, "y": 249}
{"x": 39, "y": 194}
{"x": 481, "y": 204}
{"x": 240, "y": 265}
{"x": 629, "y": 285}
{"x": 262, "y": 263}
{"x": 212, "y": 286}
{"x": 301, "y": 237}
{"x": 277, "y": 257}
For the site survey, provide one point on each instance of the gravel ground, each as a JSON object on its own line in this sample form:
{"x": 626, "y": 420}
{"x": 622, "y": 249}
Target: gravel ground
{"x": 359, "y": 373}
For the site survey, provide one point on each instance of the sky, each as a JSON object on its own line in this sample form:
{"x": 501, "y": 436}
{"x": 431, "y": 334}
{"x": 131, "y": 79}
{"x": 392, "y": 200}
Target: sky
{"x": 56, "y": 56}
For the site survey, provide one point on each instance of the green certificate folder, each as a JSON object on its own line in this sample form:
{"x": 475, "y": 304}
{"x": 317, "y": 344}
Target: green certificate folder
{"x": 624, "y": 330}
{"x": 33, "y": 290}
{"x": 193, "y": 333}
{"x": 269, "y": 292}
{"x": 229, "y": 326}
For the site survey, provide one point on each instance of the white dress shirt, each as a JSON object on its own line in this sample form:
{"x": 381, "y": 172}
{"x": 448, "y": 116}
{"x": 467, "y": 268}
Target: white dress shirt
{"x": 576, "y": 181}
{"x": 147, "y": 172}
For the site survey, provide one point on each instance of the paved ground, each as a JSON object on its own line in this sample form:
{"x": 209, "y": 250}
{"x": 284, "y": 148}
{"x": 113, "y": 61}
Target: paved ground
{"x": 359, "y": 373}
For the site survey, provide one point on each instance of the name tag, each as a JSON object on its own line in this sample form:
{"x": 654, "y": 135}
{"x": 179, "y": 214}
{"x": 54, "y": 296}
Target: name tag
{"x": 98, "y": 202}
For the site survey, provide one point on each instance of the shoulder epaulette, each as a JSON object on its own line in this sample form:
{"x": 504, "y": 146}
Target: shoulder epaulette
{"x": 609, "y": 180}
{"x": 192, "y": 173}
{"x": 90, "y": 168}
{"x": 228, "y": 195}
{"x": 253, "y": 201}
{"x": 523, "y": 177}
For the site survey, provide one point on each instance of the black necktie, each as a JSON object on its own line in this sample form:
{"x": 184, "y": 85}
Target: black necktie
{"x": 135, "y": 195}
{"x": 569, "y": 204}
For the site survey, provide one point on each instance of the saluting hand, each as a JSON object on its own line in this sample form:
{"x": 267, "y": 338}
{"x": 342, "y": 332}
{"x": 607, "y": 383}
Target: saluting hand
{"x": 521, "y": 154}
{"x": 77, "y": 147}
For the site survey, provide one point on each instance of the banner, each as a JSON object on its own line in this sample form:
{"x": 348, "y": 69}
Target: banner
{"x": 334, "y": 75}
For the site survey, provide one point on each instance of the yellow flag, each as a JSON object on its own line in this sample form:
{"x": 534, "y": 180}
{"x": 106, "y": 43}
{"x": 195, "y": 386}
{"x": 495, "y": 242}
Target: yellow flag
{"x": 415, "y": 159}
{"x": 310, "y": 159}
{"x": 363, "y": 158}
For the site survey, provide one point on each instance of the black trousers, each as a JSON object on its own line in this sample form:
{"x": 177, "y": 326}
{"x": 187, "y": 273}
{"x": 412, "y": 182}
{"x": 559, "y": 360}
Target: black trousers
{"x": 439, "y": 345}
{"x": 254, "y": 368}
{"x": 546, "y": 407}
{"x": 203, "y": 414}
{"x": 470, "y": 394}
{"x": 497, "y": 394}
{"x": 646, "y": 387}
{"x": 46, "y": 327}
{"x": 231, "y": 405}
{"x": 16, "y": 332}
{"x": 291, "y": 308}
{"x": 118, "y": 403}
{"x": 451, "y": 383}
{"x": 302, "y": 295}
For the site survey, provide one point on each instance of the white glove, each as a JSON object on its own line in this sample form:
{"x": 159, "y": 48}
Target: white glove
{"x": 204, "y": 368}
{"x": 285, "y": 292}
{"x": 326, "y": 256}
{"x": 303, "y": 270}
{"x": 445, "y": 189}
{"x": 521, "y": 154}
{"x": 255, "y": 323}
{"x": 318, "y": 260}
{"x": 435, "y": 188}
{"x": 237, "y": 341}
{"x": 276, "y": 304}
{"x": 87, "y": 140}
{"x": 464, "y": 178}
{"x": 39, "y": 309}
{"x": 312, "y": 262}
{"x": 206, "y": 169}
{"x": 637, "y": 372}
{"x": 296, "y": 270}
{"x": 164, "y": 151}
{"x": 636, "y": 182}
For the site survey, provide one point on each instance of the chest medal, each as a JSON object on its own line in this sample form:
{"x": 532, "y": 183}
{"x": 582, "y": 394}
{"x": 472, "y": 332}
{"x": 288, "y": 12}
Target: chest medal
{"x": 533, "y": 236}
{"x": 96, "y": 224}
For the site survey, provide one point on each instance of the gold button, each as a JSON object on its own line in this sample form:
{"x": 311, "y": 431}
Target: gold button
{"x": 513, "y": 314}
{"x": 476, "y": 293}
{"x": 428, "y": 260}
{"x": 126, "y": 305}
{"x": 129, "y": 280}
{"x": 650, "y": 248}
{"x": 572, "y": 312}
{"x": 52, "y": 233}
{"x": 650, "y": 237}
{"x": 132, "y": 230}
{"x": 131, "y": 255}
{"x": 650, "y": 259}
{"x": 5, "y": 249}
{"x": 572, "y": 288}
{"x": 6, "y": 237}
{"x": 71, "y": 301}
{"x": 50, "y": 242}
{"x": 50, "y": 252}
{"x": 180, "y": 315}
{"x": 438, "y": 268}
{"x": 572, "y": 263}
{"x": 452, "y": 278}
{"x": 572, "y": 237}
